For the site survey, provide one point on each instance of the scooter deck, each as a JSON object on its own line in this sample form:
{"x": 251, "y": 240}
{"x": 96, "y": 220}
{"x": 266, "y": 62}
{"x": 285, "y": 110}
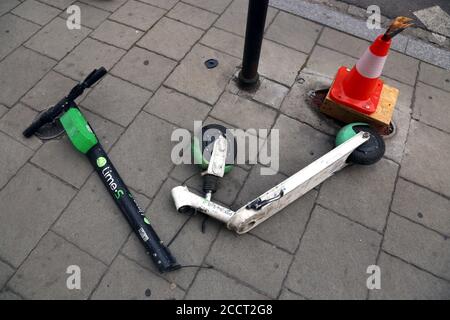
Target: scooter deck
{"x": 277, "y": 198}
{"x": 252, "y": 214}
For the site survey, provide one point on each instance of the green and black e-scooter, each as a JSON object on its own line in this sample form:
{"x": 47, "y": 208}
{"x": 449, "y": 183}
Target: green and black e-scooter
{"x": 84, "y": 140}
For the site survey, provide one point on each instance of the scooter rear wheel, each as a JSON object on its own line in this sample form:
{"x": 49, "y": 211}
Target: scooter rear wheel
{"x": 370, "y": 151}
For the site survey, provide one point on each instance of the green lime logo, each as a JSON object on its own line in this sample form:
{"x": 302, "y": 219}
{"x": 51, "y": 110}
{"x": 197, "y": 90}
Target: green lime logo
{"x": 101, "y": 161}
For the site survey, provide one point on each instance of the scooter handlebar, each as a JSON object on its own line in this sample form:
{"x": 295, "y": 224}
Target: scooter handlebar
{"x": 94, "y": 76}
{"x": 53, "y": 112}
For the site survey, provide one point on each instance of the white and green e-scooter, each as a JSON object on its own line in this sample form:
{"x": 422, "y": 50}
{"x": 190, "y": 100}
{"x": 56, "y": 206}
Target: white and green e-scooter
{"x": 356, "y": 143}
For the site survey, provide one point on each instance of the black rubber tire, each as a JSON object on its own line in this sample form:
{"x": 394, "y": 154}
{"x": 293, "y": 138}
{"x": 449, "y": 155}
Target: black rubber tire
{"x": 371, "y": 151}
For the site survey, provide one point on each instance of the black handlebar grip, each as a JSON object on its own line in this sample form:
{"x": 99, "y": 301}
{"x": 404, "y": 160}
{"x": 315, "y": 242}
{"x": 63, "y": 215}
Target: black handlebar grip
{"x": 28, "y": 132}
{"x": 46, "y": 117}
{"x": 94, "y": 76}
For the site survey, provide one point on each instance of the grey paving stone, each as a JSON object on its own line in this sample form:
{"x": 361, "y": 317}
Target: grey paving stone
{"x": 61, "y": 4}
{"x": 400, "y": 280}
{"x": 194, "y": 79}
{"x": 335, "y": 4}
{"x": 228, "y": 188}
{"x": 117, "y": 34}
{"x": 299, "y": 144}
{"x": 191, "y": 15}
{"x": 327, "y": 62}
{"x": 343, "y": 43}
{"x": 418, "y": 245}
{"x": 335, "y": 19}
{"x": 425, "y": 160}
{"x": 401, "y": 67}
{"x": 55, "y": 40}
{"x": 271, "y": 93}
{"x": 138, "y": 15}
{"x": 238, "y": 256}
{"x": 431, "y": 106}
{"x": 8, "y": 295}
{"x": 87, "y": 56}
{"x": 217, "y": 6}
{"x": 15, "y": 31}
{"x": 43, "y": 274}
{"x": 292, "y": 220}
{"x": 396, "y": 145}
{"x": 171, "y": 38}
{"x": 92, "y": 17}
{"x": 434, "y": 76}
{"x": 299, "y": 105}
{"x": 126, "y": 280}
{"x": 234, "y": 19}
{"x": 3, "y": 110}
{"x": 285, "y": 30}
{"x": 110, "y": 5}
{"x": 60, "y": 158}
{"x": 5, "y": 273}
{"x": 25, "y": 218}
{"x": 165, "y": 220}
{"x": 116, "y": 100}
{"x": 289, "y": 295}
{"x": 183, "y": 173}
{"x": 224, "y": 41}
{"x": 20, "y": 71}
{"x": 251, "y": 114}
{"x": 404, "y": 101}
{"x": 144, "y": 68}
{"x": 362, "y": 193}
{"x": 164, "y": 4}
{"x": 36, "y": 11}
{"x": 213, "y": 285}
{"x": 16, "y": 120}
{"x": 143, "y": 153}
{"x": 333, "y": 257}
{"x": 280, "y": 63}
{"x": 428, "y": 53}
{"x": 192, "y": 255}
{"x": 422, "y": 206}
{"x": 47, "y": 92}
{"x": 12, "y": 157}
{"x": 7, "y": 5}
{"x": 94, "y": 223}
{"x": 177, "y": 108}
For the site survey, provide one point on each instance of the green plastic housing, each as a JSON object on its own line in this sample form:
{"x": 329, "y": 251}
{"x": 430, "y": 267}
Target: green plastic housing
{"x": 78, "y": 130}
{"x": 347, "y": 132}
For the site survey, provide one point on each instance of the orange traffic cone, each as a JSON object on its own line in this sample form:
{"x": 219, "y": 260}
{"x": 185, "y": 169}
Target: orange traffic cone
{"x": 360, "y": 88}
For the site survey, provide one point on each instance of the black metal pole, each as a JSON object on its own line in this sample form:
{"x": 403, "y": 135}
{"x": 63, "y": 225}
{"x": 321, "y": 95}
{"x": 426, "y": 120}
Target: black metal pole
{"x": 256, "y": 20}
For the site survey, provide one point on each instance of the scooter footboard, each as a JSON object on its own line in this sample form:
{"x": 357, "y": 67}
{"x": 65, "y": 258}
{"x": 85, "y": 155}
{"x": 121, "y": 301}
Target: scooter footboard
{"x": 280, "y": 196}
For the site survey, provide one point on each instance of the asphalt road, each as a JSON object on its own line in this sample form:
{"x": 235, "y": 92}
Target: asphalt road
{"x": 432, "y": 20}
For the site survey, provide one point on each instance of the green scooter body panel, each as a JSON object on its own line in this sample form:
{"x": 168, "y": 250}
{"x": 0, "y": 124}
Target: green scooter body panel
{"x": 347, "y": 132}
{"x": 78, "y": 130}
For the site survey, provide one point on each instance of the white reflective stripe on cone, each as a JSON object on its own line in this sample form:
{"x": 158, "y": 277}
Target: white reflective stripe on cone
{"x": 370, "y": 65}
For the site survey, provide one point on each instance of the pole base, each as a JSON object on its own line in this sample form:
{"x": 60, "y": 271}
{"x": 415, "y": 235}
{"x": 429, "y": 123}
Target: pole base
{"x": 248, "y": 84}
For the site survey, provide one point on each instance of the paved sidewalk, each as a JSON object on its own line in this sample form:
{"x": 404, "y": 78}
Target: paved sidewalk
{"x": 55, "y": 212}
